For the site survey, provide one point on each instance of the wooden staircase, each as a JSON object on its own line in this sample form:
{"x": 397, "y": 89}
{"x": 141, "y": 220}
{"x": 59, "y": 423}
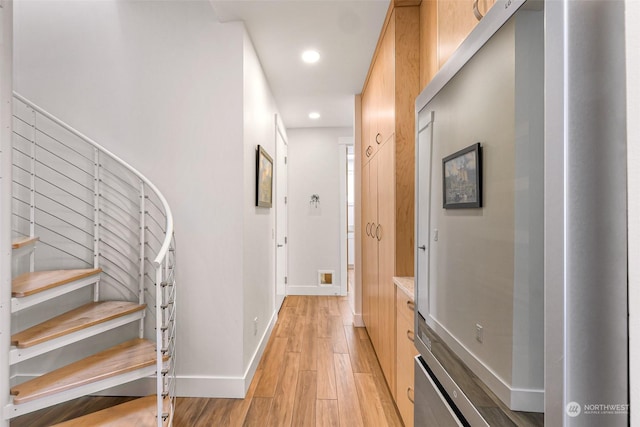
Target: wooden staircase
{"x": 135, "y": 413}
{"x": 89, "y": 209}
{"x": 122, "y": 363}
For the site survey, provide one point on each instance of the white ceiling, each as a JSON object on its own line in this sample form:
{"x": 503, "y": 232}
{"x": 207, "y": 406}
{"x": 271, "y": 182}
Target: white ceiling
{"x": 345, "y": 32}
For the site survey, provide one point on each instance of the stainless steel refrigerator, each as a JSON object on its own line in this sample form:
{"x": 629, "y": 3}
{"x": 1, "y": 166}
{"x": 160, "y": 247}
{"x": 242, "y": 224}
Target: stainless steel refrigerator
{"x": 521, "y": 239}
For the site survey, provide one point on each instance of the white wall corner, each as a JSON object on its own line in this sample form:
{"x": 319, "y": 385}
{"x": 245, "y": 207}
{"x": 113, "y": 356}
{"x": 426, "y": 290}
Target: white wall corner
{"x": 221, "y": 386}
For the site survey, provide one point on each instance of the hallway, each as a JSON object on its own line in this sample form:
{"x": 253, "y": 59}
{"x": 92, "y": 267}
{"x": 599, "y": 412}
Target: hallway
{"x": 317, "y": 370}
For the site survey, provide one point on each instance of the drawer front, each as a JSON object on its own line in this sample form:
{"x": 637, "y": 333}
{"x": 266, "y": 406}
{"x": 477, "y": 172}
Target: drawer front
{"x": 431, "y": 409}
{"x": 406, "y": 351}
{"x": 405, "y": 307}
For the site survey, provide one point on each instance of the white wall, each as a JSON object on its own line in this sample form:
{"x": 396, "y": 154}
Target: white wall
{"x": 161, "y": 85}
{"x": 633, "y": 160}
{"x": 314, "y": 234}
{"x": 259, "y": 223}
{"x": 5, "y": 192}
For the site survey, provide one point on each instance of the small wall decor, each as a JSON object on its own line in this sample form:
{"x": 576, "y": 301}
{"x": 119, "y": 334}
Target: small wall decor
{"x": 462, "y": 178}
{"x": 264, "y": 178}
{"x": 325, "y": 277}
{"x": 315, "y": 200}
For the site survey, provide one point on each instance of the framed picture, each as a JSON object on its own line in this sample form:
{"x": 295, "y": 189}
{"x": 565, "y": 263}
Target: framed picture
{"x": 264, "y": 178}
{"x": 462, "y": 178}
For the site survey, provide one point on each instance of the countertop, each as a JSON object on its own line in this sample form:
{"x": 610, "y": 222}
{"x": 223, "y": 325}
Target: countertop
{"x": 407, "y": 285}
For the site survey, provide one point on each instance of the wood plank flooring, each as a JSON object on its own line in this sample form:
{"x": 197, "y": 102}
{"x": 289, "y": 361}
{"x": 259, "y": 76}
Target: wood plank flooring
{"x": 317, "y": 370}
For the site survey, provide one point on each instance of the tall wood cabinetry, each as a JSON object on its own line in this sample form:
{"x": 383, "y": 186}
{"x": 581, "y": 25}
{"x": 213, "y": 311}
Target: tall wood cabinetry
{"x": 387, "y": 152}
{"x": 444, "y": 24}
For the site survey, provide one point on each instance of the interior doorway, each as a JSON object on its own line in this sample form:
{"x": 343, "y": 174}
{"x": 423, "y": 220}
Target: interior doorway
{"x": 351, "y": 221}
{"x": 282, "y": 240}
{"x": 347, "y": 219}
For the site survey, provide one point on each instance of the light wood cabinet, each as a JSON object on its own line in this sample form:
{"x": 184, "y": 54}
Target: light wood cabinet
{"x": 456, "y": 19}
{"x": 370, "y": 248}
{"x": 387, "y": 189}
{"x": 405, "y": 352}
{"x": 444, "y": 24}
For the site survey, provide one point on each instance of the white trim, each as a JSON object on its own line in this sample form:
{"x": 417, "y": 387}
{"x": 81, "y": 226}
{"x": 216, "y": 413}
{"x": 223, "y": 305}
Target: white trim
{"x": 17, "y": 355}
{"x": 314, "y": 290}
{"x": 140, "y": 387}
{"x": 257, "y": 355}
{"x": 342, "y": 233}
{"x": 529, "y": 400}
{"x": 357, "y": 321}
{"x": 280, "y": 132}
{"x": 6, "y": 88}
{"x": 12, "y": 411}
{"x": 18, "y": 304}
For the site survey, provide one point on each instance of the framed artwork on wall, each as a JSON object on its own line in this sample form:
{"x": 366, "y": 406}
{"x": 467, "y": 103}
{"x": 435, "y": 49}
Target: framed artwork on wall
{"x": 264, "y": 178}
{"x": 462, "y": 178}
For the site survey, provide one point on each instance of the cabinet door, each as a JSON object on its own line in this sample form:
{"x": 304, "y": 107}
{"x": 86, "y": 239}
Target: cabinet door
{"x": 370, "y": 249}
{"x": 375, "y": 83}
{"x": 385, "y": 235}
{"x": 367, "y": 112}
{"x": 366, "y": 245}
{"x": 406, "y": 351}
{"x": 373, "y": 255}
{"x": 386, "y": 64}
{"x": 455, "y": 21}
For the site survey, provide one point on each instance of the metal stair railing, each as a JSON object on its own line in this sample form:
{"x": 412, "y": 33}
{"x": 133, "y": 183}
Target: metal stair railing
{"x": 92, "y": 209}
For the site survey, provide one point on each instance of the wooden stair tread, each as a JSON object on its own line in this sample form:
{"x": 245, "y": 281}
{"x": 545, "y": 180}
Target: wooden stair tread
{"x": 31, "y": 283}
{"x": 135, "y": 413}
{"x": 80, "y": 318}
{"x": 23, "y": 241}
{"x": 126, "y": 357}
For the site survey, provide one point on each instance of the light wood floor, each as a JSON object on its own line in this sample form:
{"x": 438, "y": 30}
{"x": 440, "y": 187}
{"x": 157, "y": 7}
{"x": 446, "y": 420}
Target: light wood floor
{"x": 317, "y": 370}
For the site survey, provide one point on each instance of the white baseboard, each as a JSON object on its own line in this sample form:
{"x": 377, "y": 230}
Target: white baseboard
{"x": 189, "y": 385}
{"x": 529, "y": 400}
{"x": 314, "y": 290}
{"x": 257, "y": 355}
{"x": 357, "y": 321}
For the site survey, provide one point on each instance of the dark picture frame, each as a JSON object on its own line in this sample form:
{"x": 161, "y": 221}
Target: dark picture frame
{"x": 462, "y": 178}
{"x": 264, "y": 178}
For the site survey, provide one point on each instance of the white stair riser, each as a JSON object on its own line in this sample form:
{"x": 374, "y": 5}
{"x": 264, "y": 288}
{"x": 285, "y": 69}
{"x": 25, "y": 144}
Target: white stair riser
{"x": 17, "y": 355}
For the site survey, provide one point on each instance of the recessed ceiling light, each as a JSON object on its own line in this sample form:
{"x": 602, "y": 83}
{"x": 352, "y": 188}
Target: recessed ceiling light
{"x": 314, "y": 115}
{"x": 310, "y": 56}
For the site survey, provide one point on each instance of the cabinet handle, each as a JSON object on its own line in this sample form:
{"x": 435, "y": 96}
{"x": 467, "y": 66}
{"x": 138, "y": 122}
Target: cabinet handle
{"x": 410, "y": 394}
{"x": 373, "y": 224}
{"x": 379, "y": 137}
{"x": 411, "y": 305}
{"x": 366, "y": 228}
{"x": 411, "y": 336}
{"x": 369, "y": 151}
{"x": 476, "y": 11}
{"x": 379, "y": 232}
{"x": 422, "y": 248}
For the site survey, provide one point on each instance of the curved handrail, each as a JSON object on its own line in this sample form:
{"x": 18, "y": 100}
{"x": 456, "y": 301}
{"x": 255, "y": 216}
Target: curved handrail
{"x": 164, "y": 249}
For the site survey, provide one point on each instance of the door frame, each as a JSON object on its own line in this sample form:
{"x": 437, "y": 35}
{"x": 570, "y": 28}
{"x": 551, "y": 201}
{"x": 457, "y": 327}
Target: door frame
{"x": 280, "y": 290}
{"x": 343, "y": 142}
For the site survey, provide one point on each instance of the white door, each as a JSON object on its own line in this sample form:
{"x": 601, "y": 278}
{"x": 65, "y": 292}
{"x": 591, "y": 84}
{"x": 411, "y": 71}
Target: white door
{"x": 281, "y": 216}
